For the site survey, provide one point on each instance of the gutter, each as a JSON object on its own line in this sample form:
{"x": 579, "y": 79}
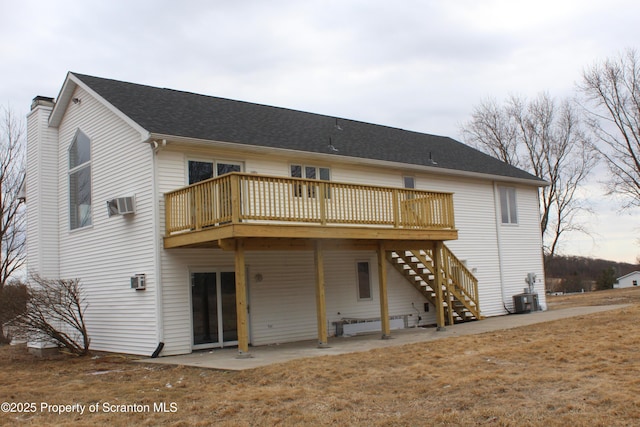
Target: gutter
{"x": 347, "y": 160}
{"x": 499, "y": 242}
{"x": 156, "y": 239}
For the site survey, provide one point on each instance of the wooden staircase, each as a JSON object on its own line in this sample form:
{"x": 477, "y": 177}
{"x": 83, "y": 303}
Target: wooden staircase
{"x": 459, "y": 298}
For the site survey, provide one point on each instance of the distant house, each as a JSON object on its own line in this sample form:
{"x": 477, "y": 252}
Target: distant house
{"x": 198, "y": 222}
{"x": 628, "y": 280}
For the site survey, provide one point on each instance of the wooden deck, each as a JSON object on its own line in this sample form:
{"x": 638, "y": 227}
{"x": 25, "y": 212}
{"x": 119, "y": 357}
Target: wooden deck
{"x": 241, "y": 212}
{"x": 251, "y": 206}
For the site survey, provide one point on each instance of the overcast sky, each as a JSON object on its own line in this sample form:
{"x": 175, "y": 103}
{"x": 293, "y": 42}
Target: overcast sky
{"x": 417, "y": 65}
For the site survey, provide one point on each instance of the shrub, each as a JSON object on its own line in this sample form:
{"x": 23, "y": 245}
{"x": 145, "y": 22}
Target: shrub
{"x": 54, "y": 311}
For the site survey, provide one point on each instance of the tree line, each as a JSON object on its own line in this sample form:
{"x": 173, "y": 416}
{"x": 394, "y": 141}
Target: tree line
{"x": 575, "y": 274}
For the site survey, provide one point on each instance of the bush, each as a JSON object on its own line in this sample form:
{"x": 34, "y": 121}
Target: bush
{"x": 13, "y": 303}
{"x": 54, "y": 311}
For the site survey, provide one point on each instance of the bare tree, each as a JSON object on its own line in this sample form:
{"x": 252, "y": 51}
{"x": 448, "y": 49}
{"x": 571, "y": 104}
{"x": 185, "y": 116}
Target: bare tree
{"x": 612, "y": 91}
{"x": 12, "y": 213}
{"x": 544, "y": 137}
{"x": 55, "y": 311}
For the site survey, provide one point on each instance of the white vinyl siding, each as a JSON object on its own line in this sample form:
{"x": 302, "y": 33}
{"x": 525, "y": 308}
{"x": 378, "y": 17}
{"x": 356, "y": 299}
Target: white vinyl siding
{"x": 106, "y": 255}
{"x": 521, "y": 248}
{"x": 42, "y": 195}
{"x": 282, "y": 303}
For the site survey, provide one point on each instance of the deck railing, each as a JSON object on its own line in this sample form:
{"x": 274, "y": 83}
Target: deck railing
{"x": 239, "y": 197}
{"x": 458, "y": 277}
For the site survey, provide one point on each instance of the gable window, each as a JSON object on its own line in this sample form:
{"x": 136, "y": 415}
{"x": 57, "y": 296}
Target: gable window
{"x": 364, "y": 281}
{"x": 309, "y": 172}
{"x": 635, "y": 283}
{"x": 80, "y": 181}
{"x": 202, "y": 170}
{"x": 508, "y": 206}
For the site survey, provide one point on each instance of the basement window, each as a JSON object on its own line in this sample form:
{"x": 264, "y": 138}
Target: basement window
{"x": 508, "y": 205}
{"x": 364, "y": 281}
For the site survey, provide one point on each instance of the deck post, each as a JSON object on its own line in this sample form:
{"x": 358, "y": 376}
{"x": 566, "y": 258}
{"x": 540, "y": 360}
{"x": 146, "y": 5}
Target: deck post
{"x": 321, "y": 308}
{"x": 241, "y": 301}
{"x": 437, "y": 279}
{"x": 234, "y": 182}
{"x": 382, "y": 284}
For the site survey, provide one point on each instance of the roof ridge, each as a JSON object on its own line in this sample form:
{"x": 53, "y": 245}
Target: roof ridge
{"x": 260, "y": 104}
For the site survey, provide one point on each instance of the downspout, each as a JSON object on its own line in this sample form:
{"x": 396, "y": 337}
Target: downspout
{"x": 496, "y": 204}
{"x": 157, "y": 247}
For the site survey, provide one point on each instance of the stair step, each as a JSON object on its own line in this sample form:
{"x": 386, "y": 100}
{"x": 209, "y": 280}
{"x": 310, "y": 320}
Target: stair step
{"x": 417, "y": 267}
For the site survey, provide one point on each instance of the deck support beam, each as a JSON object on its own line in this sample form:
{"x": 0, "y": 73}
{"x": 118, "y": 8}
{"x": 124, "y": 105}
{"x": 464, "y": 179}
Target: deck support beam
{"x": 382, "y": 285}
{"x": 321, "y": 308}
{"x": 241, "y": 301}
{"x": 437, "y": 282}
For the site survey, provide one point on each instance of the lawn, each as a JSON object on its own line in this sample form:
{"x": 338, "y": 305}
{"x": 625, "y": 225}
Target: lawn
{"x": 582, "y": 371}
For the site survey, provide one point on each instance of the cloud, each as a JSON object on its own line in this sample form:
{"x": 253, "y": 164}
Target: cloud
{"x": 416, "y": 65}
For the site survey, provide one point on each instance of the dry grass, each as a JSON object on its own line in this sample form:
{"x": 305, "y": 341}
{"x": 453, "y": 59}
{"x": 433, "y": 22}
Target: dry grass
{"x": 581, "y": 371}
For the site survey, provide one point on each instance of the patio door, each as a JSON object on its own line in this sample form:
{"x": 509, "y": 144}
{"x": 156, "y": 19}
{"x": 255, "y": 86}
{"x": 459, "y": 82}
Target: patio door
{"x": 213, "y": 305}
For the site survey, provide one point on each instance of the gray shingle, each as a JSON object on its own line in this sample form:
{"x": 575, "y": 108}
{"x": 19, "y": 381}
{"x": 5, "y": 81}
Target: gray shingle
{"x": 172, "y": 112}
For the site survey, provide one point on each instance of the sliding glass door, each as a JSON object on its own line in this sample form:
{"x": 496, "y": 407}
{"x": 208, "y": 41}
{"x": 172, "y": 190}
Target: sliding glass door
{"x": 213, "y": 305}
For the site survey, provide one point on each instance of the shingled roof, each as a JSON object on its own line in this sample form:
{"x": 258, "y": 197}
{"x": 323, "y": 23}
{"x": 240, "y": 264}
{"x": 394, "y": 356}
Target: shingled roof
{"x": 185, "y": 114}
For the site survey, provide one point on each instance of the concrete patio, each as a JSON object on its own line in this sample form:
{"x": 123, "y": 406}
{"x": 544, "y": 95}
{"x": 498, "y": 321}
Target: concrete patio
{"x": 226, "y": 358}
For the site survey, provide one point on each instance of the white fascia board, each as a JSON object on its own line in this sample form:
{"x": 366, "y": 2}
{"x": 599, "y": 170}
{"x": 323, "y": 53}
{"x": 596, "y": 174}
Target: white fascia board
{"x": 62, "y": 101}
{"x": 64, "y": 98}
{"x": 333, "y": 158}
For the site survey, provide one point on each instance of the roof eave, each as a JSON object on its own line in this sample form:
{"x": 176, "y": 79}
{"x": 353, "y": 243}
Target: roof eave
{"x": 348, "y": 159}
{"x": 62, "y": 101}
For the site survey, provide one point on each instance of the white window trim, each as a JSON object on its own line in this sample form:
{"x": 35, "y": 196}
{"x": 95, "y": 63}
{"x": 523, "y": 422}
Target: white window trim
{"x": 211, "y": 160}
{"x": 303, "y": 168}
{"x": 71, "y": 171}
{"x": 358, "y": 261}
{"x": 510, "y": 222}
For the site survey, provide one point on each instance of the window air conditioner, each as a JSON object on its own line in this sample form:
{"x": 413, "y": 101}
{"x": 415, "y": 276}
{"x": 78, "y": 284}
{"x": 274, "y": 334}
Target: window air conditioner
{"x": 121, "y": 206}
{"x": 138, "y": 282}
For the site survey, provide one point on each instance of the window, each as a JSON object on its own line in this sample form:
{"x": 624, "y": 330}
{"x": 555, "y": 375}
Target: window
{"x": 409, "y": 182}
{"x": 508, "y": 206}
{"x": 635, "y": 283}
{"x": 80, "y": 181}
{"x": 364, "y": 281}
{"x": 225, "y": 168}
{"x": 201, "y": 170}
{"x": 309, "y": 172}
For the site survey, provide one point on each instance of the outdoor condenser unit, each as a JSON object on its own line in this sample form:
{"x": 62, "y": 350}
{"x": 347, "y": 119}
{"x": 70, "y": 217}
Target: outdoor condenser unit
{"x": 525, "y": 303}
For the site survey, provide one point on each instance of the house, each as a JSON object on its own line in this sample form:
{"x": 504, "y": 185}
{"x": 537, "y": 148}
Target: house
{"x": 628, "y": 280}
{"x": 197, "y": 222}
